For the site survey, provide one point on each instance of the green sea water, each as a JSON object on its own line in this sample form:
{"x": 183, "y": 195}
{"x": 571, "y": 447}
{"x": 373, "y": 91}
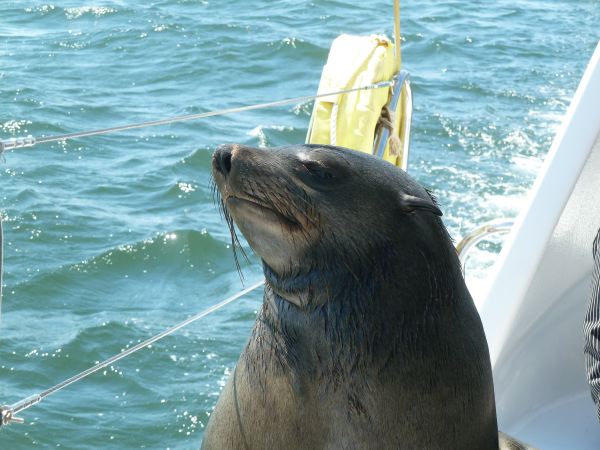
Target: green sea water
{"x": 109, "y": 240}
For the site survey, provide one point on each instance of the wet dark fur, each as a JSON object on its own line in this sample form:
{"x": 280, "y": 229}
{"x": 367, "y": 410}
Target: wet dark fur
{"x": 388, "y": 352}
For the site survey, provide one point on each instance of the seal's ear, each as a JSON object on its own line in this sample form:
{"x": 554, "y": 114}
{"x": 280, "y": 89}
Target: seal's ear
{"x": 409, "y": 203}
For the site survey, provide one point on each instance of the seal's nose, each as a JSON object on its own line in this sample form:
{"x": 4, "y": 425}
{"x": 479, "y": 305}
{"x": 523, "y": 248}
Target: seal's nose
{"x": 222, "y": 159}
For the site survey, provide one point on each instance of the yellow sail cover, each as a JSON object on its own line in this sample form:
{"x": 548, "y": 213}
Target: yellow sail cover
{"x": 350, "y": 120}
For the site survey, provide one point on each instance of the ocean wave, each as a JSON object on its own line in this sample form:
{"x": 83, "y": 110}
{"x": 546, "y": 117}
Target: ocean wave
{"x": 137, "y": 267}
{"x": 15, "y": 127}
{"x": 97, "y": 11}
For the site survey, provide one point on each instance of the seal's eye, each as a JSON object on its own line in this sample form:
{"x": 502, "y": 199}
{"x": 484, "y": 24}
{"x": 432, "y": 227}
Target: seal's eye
{"x": 318, "y": 169}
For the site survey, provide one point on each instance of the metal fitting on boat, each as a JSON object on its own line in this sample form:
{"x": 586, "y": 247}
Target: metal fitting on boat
{"x": 498, "y": 226}
{"x": 12, "y": 143}
{"x": 6, "y": 416}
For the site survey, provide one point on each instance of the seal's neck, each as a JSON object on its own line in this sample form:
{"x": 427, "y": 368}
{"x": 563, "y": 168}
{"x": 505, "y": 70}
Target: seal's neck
{"x": 389, "y": 270}
{"x": 348, "y": 316}
{"x": 306, "y": 289}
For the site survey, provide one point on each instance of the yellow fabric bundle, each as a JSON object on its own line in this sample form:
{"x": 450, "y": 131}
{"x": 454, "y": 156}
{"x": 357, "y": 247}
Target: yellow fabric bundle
{"x": 350, "y": 120}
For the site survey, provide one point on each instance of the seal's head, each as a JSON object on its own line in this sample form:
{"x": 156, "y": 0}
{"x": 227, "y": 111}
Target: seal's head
{"x": 295, "y": 205}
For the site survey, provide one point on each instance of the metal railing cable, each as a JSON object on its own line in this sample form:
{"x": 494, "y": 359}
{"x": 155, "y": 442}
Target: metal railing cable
{"x": 8, "y": 413}
{"x": 30, "y": 141}
{"x": 1, "y": 263}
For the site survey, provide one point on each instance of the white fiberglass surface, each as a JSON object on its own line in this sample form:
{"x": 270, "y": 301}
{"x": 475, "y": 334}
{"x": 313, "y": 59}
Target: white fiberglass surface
{"x": 542, "y": 394}
{"x": 533, "y": 313}
{"x": 539, "y": 374}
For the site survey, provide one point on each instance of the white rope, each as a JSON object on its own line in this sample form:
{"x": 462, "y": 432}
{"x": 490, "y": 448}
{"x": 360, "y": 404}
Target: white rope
{"x": 8, "y": 413}
{"x": 333, "y": 124}
{"x": 30, "y": 141}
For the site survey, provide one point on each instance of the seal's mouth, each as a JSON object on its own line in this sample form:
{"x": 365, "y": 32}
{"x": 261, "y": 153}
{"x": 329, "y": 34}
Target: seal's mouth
{"x": 251, "y": 205}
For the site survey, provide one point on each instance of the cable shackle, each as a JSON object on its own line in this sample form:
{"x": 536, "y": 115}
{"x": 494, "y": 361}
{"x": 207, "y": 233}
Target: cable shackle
{"x": 7, "y": 417}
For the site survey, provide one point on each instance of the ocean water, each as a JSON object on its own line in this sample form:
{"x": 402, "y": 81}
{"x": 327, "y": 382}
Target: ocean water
{"x": 109, "y": 240}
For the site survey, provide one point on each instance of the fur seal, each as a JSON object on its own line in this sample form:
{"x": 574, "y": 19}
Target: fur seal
{"x": 368, "y": 337}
